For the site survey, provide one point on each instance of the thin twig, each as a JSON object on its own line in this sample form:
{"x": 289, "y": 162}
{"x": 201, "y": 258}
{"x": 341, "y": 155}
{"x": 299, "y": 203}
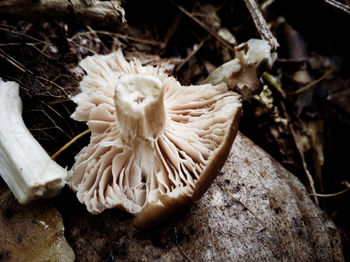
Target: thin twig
{"x": 309, "y": 177}
{"x": 16, "y": 44}
{"x": 222, "y": 41}
{"x": 171, "y": 31}
{"x": 5, "y": 194}
{"x": 266, "y": 4}
{"x": 83, "y": 47}
{"x": 261, "y": 24}
{"x": 40, "y": 51}
{"x": 312, "y": 84}
{"x": 21, "y": 67}
{"x": 331, "y": 195}
{"x": 54, "y": 156}
{"x": 334, "y": 194}
{"x": 69, "y": 113}
{"x": 142, "y": 41}
{"x": 301, "y": 153}
{"x": 13, "y": 63}
{"x": 338, "y": 5}
{"x": 13, "y": 31}
{"x": 194, "y": 51}
{"x": 58, "y": 114}
{"x": 117, "y": 35}
{"x": 54, "y": 123}
{"x": 93, "y": 32}
{"x": 40, "y": 129}
{"x": 53, "y": 83}
{"x": 292, "y": 60}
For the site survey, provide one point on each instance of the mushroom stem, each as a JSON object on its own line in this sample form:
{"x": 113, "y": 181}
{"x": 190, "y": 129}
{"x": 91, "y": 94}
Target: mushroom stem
{"x": 140, "y": 107}
{"x": 24, "y": 165}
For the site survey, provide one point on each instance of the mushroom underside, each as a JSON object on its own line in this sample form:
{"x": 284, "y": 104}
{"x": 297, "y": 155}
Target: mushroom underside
{"x": 138, "y": 174}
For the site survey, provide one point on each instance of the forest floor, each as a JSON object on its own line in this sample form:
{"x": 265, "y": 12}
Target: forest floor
{"x": 302, "y": 117}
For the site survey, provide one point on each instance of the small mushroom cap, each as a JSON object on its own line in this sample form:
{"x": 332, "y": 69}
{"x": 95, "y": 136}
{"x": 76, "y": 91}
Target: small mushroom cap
{"x": 242, "y": 74}
{"x": 149, "y": 176}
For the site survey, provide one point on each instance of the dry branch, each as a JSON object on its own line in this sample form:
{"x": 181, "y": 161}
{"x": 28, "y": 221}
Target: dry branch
{"x": 87, "y": 11}
{"x": 340, "y": 6}
{"x": 261, "y": 24}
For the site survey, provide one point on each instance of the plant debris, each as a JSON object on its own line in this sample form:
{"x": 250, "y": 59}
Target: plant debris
{"x": 32, "y": 232}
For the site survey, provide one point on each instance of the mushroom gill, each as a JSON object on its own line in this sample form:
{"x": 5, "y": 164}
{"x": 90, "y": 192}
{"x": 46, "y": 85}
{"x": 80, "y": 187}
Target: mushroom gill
{"x": 155, "y": 145}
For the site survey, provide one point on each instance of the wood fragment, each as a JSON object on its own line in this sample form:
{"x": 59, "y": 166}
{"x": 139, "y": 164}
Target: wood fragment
{"x": 338, "y": 5}
{"x": 89, "y": 12}
{"x": 261, "y": 24}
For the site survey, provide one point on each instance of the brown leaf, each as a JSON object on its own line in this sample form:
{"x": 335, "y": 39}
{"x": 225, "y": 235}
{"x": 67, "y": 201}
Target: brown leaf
{"x": 33, "y": 232}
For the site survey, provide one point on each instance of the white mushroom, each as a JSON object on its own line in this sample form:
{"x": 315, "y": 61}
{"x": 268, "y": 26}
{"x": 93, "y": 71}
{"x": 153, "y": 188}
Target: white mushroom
{"x": 25, "y": 166}
{"x": 242, "y": 73}
{"x": 155, "y": 145}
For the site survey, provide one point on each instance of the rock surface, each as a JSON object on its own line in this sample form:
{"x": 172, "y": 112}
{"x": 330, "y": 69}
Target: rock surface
{"x": 254, "y": 211}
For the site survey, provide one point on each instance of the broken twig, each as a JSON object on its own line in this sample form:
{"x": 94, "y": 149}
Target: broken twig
{"x": 338, "y": 5}
{"x": 54, "y": 156}
{"x": 261, "y": 24}
{"x": 90, "y": 12}
{"x": 334, "y": 194}
{"x": 300, "y": 90}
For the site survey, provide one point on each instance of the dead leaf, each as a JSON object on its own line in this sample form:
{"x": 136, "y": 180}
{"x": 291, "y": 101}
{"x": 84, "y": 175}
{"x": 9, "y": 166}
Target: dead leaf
{"x": 32, "y": 232}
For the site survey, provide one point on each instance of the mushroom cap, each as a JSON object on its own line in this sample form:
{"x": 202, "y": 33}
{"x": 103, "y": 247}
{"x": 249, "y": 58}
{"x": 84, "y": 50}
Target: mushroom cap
{"x": 242, "y": 74}
{"x": 155, "y": 176}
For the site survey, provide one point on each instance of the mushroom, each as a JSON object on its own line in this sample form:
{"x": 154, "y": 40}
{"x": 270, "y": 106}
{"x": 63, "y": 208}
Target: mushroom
{"x": 155, "y": 145}
{"x": 242, "y": 73}
{"x": 25, "y": 166}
